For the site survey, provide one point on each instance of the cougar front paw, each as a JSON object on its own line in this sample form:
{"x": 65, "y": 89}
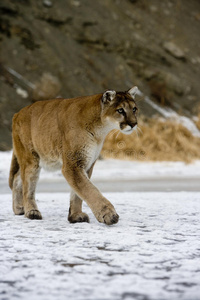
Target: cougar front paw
{"x": 33, "y": 214}
{"x": 78, "y": 218}
{"x": 108, "y": 216}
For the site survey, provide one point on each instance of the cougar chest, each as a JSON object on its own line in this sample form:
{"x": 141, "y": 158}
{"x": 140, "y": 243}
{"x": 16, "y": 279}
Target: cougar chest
{"x": 92, "y": 153}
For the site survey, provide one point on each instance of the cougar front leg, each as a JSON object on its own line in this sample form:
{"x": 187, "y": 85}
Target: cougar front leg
{"x": 78, "y": 179}
{"x": 75, "y": 210}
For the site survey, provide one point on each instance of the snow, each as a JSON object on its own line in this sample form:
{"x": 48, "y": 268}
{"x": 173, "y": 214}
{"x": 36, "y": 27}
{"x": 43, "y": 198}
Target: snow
{"x": 169, "y": 113}
{"x": 151, "y": 254}
{"x": 118, "y": 169}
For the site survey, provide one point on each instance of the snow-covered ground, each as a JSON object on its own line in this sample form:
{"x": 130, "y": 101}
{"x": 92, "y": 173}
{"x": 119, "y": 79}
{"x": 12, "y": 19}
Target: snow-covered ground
{"x": 152, "y": 253}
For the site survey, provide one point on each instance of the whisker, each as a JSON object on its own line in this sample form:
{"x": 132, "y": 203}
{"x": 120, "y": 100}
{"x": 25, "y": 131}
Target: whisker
{"x": 117, "y": 135}
{"x": 112, "y": 132}
{"x": 140, "y": 130}
{"x": 137, "y": 131}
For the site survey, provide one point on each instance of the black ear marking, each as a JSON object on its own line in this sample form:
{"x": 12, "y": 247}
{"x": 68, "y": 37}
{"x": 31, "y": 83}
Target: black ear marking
{"x": 108, "y": 96}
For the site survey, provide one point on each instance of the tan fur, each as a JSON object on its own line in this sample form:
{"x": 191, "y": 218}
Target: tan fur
{"x": 67, "y": 134}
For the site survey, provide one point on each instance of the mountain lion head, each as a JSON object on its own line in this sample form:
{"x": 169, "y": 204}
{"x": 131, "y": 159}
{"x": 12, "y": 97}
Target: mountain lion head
{"x": 120, "y": 108}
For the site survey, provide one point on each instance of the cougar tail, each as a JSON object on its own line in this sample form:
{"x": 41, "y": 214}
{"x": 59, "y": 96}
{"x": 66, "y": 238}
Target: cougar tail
{"x": 13, "y": 169}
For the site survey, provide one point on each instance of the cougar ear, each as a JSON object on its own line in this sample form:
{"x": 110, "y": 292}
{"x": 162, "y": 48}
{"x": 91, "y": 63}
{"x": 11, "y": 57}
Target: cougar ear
{"x": 108, "y": 96}
{"x": 133, "y": 91}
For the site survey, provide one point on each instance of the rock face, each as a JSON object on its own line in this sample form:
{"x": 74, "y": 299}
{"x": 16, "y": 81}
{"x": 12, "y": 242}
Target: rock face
{"x": 88, "y": 46}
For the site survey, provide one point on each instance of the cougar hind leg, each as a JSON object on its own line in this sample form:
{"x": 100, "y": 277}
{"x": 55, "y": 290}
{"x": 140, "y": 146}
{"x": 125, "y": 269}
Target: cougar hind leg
{"x": 15, "y": 184}
{"x": 30, "y": 174}
{"x": 75, "y": 211}
{"x": 17, "y": 194}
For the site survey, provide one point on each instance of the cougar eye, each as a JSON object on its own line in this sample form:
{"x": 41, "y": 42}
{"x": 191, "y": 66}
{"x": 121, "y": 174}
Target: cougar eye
{"x": 134, "y": 109}
{"x": 120, "y": 110}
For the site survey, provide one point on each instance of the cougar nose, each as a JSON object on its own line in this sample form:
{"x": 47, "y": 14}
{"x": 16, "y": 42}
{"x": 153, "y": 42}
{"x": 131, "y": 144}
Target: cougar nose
{"x": 132, "y": 124}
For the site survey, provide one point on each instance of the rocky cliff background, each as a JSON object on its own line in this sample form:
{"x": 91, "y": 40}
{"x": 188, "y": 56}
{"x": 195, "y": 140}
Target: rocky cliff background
{"x": 71, "y": 47}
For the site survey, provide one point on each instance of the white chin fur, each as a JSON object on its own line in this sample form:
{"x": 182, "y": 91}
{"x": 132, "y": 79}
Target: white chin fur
{"x": 128, "y": 130}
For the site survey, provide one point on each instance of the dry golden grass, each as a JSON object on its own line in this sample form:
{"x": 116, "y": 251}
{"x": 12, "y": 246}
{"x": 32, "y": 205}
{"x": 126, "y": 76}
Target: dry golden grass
{"x": 159, "y": 141}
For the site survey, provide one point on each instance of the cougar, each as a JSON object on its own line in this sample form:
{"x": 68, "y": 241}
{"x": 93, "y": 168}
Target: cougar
{"x": 67, "y": 134}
